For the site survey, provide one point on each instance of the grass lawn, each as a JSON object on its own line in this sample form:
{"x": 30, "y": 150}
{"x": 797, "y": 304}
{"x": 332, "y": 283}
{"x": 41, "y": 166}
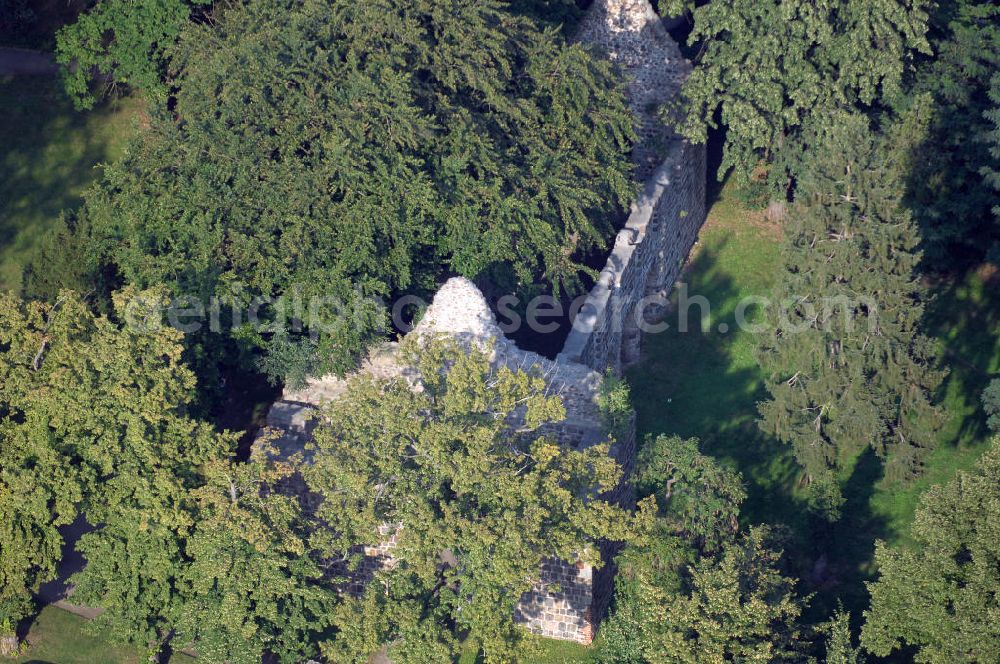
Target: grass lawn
{"x": 965, "y": 318}
{"x": 51, "y": 154}
{"x": 58, "y": 637}
{"x": 706, "y": 384}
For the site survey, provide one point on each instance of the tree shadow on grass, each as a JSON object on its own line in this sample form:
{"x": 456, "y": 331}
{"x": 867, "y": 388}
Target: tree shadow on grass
{"x": 843, "y": 552}
{"x": 51, "y": 154}
{"x": 965, "y": 316}
{"x": 705, "y": 383}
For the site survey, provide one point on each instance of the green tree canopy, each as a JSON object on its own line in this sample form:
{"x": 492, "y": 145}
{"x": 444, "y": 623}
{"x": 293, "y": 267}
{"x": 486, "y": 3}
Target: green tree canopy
{"x": 252, "y": 586}
{"x": 734, "y": 606}
{"x": 840, "y": 648}
{"x": 349, "y": 150}
{"x": 738, "y": 607}
{"x": 766, "y": 66}
{"x": 697, "y": 497}
{"x": 123, "y": 41}
{"x": 941, "y": 596}
{"x": 938, "y": 129}
{"x": 991, "y": 404}
{"x": 698, "y": 590}
{"x": 464, "y": 467}
{"x": 92, "y": 421}
{"x": 992, "y": 172}
{"x": 848, "y": 365}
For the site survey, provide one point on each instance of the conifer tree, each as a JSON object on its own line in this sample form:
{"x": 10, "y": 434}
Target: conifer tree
{"x": 848, "y": 366}
{"x": 942, "y": 118}
{"x": 991, "y": 172}
{"x": 125, "y": 41}
{"x": 340, "y": 152}
{"x": 767, "y": 66}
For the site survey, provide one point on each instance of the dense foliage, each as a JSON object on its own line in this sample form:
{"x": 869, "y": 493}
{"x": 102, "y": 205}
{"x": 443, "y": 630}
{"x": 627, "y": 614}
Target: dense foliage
{"x": 481, "y": 495}
{"x": 991, "y": 404}
{"x": 93, "y": 423}
{"x": 849, "y": 367}
{"x": 699, "y": 499}
{"x": 124, "y": 42}
{"x": 942, "y": 120}
{"x": 991, "y": 172}
{"x": 942, "y": 596}
{"x": 699, "y": 590}
{"x": 767, "y": 66}
{"x": 252, "y": 584}
{"x": 230, "y": 558}
{"x": 840, "y": 648}
{"x": 309, "y": 159}
{"x": 338, "y": 152}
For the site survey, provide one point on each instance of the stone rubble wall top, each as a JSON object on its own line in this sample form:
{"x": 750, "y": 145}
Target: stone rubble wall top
{"x": 634, "y": 38}
{"x": 460, "y": 311}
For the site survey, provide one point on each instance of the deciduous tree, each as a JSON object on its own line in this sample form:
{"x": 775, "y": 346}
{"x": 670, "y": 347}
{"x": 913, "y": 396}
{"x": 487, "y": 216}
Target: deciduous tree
{"x": 451, "y": 460}
{"x": 698, "y": 590}
{"x": 839, "y": 647}
{"x": 92, "y": 421}
{"x": 735, "y": 606}
{"x": 252, "y": 586}
{"x": 697, "y": 497}
{"x": 991, "y": 404}
{"x": 941, "y": 596}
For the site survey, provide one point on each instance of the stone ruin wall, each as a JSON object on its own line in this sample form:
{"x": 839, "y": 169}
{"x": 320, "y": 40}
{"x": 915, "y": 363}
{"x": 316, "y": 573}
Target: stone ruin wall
{"x": 645, "y": 262}
{"x": 647, "y": 258}
{"x": 651, "y": 249}
{"x": 632, "y": 36}
{"x": 460, "y": 311}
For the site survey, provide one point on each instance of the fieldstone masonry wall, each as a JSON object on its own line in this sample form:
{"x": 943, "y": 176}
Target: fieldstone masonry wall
{"x": 633, "y": 37}
{"x": 651, "y": 249}
{"x": 641, "y": 269}
{"x": 644, "y": 264}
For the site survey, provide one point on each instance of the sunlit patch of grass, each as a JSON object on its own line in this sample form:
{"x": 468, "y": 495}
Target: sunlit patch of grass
{"x": 60, "y": 637}
{"x": 705, "y": 383}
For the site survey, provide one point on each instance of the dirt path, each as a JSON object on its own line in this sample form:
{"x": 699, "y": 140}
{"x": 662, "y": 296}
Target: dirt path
{"x": 25, "y": 62}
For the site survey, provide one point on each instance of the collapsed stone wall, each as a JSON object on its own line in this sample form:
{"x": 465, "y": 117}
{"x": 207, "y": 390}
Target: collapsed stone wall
{"x": 460, "y": 311}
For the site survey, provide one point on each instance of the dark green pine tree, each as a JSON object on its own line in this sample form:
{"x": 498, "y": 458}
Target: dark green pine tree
{"x": 848, "y": 367}
{"x": 991, "y": 172}
{"x": 940, "y": 122}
